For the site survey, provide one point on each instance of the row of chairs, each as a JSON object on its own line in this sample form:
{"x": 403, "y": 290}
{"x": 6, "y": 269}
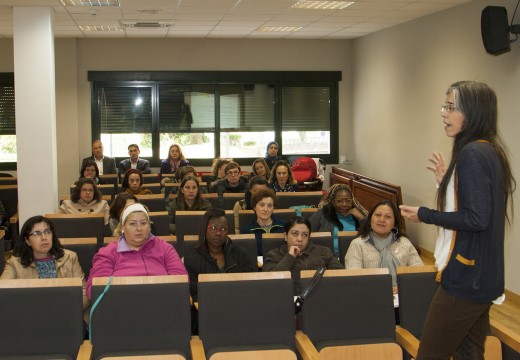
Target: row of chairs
{"x": 87, "y": 247}
{"x": 239, "y": 314}
{"x": 348, "y": 315}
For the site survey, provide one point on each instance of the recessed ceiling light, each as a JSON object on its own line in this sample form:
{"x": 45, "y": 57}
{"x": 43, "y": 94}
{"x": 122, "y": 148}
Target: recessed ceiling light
{"x": 322, "y": 5}
{"x": 90, "y": 2}
{"x": 149, "y": 11}
{"x": 100, "y": 28}
{"x": 279, "y": 28}
{"x": 146, "y": 25}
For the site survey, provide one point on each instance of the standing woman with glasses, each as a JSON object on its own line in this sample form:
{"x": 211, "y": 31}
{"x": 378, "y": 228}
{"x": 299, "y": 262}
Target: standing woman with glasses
{"x": 85, "y": 199}
{"x": 473, "y": 195}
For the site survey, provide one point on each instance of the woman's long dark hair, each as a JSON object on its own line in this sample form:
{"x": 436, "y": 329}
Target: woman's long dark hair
{"x": 86, "y": 165}
{"x": 181, "y": 202}
{"x": 25, "y": 252}
{"x": 124, "y": 183}
{"x": 478, "y": 103}
{"x": 119, "y": 204}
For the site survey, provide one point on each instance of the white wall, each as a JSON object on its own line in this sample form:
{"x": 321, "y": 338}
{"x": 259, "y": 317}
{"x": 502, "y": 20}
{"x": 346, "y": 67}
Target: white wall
{"x": 400, "y": 77}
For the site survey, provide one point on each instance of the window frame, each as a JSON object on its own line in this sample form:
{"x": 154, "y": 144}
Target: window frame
{"x": 279, "y": 79}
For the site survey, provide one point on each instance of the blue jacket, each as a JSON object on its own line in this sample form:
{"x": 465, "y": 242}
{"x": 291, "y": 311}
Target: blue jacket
{"x": 277, "y": 227}
{"x": 475, "y": 268}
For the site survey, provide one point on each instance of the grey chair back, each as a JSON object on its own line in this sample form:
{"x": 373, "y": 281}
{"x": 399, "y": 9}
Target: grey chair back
{"x": 161, "y": 223}
{"x": 154, "y": 202}
{"x": 160, "y": 321}
{"x": 246, "y": 312}
{"x": 78, "y": 225}
{"x": 42, "y": 318}
{"x": 248, "y": 243}
{"x": 349, "y": 307}
{"x": 344, "y": 240}
{"x": 288, "y": 199}
{"x": 85, "y": 248}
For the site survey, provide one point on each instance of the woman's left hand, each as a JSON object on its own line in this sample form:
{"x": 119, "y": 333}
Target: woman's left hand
{"x": 357, "y": 214}
{"x": 410, "y": 212}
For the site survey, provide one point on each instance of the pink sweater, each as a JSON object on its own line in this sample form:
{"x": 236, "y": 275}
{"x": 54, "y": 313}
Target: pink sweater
{"x": 155, "y": 257}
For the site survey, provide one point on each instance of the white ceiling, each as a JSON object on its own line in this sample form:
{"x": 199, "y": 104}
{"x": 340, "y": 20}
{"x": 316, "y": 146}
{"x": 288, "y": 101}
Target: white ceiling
{"x": 227, "y": 18}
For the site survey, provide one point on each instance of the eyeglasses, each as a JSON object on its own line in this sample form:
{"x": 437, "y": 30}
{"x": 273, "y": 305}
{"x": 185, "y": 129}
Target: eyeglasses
{"x": 38, "y": 234}
{"x": 448, "y": 108}
{"x": 233, "y": 173}
{"x": 216, "y": 228}
{"x": 87, "y": 190}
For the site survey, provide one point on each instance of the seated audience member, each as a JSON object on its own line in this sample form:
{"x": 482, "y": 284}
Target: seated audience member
{"x": 133, "y": 183}
{"x": 120, "y": 202}
{"x": 137, "y": 252}
{"x": 271, "y": 154}
{"x": 256, "y": 184}
{"x": 85, "y": 199}
{"x": 38, "y": 254}
{"x": 180, "y": 175}
{"x": 173, "y": 162}
{"x": 134, "y": 162}
{"x": 217, "y": 170}
{"x": 299, "y": 253}
{"x": 105, "y": 164}
{"x": 260, "y": 168}
{"x": 232, "y": 183}
{"x": 281, "y": 179}
{"x": 90, "y": 170}
{"x": 338, "y": 211}
{"x": 382, "y": 243}
{"x": 263, "y": 203}
{"x": 188, "y": 199}
{"x": 215, "y": 252}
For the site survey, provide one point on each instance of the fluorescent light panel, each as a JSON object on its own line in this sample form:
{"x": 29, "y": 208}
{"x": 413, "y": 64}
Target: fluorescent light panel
{"x": 322, "y": 5}
{"x": 90, "y": 3}
{"x": 279, "y": 28}
{"x": 100, "y": 28}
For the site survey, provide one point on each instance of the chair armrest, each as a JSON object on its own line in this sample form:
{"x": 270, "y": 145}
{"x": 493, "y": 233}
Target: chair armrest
{"x": 306, "y": 347}
{"x": 85, "y": 351}
{"x": 407, "y": 341}
{"x": 197, "y": 349}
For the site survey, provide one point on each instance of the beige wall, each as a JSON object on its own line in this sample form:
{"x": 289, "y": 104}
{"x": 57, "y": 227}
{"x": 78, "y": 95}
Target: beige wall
{"x": 399, "y": 79}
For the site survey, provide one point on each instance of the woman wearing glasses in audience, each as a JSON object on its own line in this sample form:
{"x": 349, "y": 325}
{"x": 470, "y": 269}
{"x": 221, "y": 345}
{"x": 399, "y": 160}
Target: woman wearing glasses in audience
{"x": 137, "y": 252}
{"x": 38, "y": 254}
{"x": 90, "y": 170}
{"x": 188, "y": 199}
{"x": 85, "y": 199}
{"x": 382, "y": 243}
{"x": 299, "y": 253}
{"x": 281, "y": 179}
{"x": 133, "y": 183}
{"x": 263, "y": 203}
{"x": 338, "y": 211}
{"x": 232, "y": 183}
{"x": 214, "y": 251}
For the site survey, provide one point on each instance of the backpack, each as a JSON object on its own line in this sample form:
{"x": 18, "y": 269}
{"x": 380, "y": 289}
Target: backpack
{"x": 304, "y": 169}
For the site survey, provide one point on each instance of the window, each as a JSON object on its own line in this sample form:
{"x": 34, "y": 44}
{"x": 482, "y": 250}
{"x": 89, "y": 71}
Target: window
{"x": 7, "y": 122}
{"x": 210, "y": 114}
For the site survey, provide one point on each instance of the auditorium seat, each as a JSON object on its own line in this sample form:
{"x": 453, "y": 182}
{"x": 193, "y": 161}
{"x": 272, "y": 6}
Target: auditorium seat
{"x": 41, "y": 318}
{"x": 85, "y": 248}
{"x": 2, "y": 256}
{"x": 9, "y": 195}
{"x": 161, "y": 223}
{"x": 78, "y": 225}
{"x": 141, "y": 315}
{"x": 350, "y": 315}
{"x": 417, "y": 286}
{"x": 247, "y": 315}
{"x": 344, "y": 240}
{"x": 287, "y": 199}
{"x": 154, "y": 202}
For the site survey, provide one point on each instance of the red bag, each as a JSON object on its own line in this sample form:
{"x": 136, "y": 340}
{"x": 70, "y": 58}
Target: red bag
{"x": 304, "y": 169}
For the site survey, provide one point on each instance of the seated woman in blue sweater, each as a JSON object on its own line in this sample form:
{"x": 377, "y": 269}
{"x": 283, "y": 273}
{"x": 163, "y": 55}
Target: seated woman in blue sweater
{"x": 263, "y": 203}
